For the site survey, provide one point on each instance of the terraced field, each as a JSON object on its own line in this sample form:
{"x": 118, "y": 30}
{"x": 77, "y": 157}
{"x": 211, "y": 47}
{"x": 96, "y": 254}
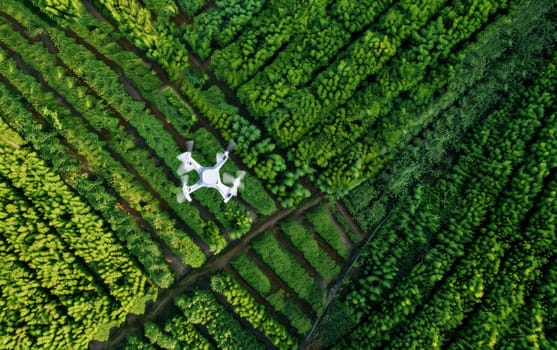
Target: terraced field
{"x": 400, "y": 187}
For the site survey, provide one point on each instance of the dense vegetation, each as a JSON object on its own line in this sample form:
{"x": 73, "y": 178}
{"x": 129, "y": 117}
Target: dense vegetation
{"x": 401, "y": 187}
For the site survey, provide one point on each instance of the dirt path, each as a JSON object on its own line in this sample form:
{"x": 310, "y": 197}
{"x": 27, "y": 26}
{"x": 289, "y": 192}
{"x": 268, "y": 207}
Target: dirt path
{"x": 214, "y": 264}
{"x": 353, "y": 225}
{"x": 345, "y": 273}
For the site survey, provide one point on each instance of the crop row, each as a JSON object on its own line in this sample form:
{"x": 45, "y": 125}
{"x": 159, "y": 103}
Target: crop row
{"x": 457, "y": 206}
{"x": 58, "y": 237}
{"x": 37, "y": 246}
{"x": 154, "y": 36}
{"x": 31, "y": 314}
{"x": 496, "y": 63}
{"x": 201, "y": 308}
{"x": 61, "y": 121}
{"x": 488, "y": 264}
{"x": 89, "y": 187}
{"x": 288, "y": 269}
{"x": 219, "y": 24}
{"x": 148, "y": 126}
{"x": 532, "y": 322}
{"x": 277, "y": 298}
{"x": 73, "y": 220}
{"x": 249, "y": 309}
{"x": 316, "y": 256}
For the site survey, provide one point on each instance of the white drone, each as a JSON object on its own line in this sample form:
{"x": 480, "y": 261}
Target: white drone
{"x": 208, "y": 177}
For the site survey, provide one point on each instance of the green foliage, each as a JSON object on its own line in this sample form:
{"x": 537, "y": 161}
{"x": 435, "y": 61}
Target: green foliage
{"x": 186, "y": 333}
{"x": 153, "y": 36}
{"x": 57, "y": 239}
{"x": 94, "y": 191}
{"x": 219, "y": 24}
{"x": 201, "y": 307}
{"x": 288, "y": 269}
{"x": 101, "y": 117}
{"x": 334, "y": 325}
{"x": 248, "y": 308}
{"x": 473, "y": 225}
{"x": 321, "y": 221}
{"x": 158, "y": 337}
{"x": 190, "y": 7}
{"x": 297, "y": 318}
{"x": 69, "y": 9}
{"x": 247, "y": 269}
{"x": 318, "y": 258}
{"x": 80, "y": 228}
{"x": 134, "y": 342}
{"x": 477, "y": 86}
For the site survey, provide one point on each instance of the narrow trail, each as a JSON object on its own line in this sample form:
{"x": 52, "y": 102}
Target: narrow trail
{"x": 345, "y": 273}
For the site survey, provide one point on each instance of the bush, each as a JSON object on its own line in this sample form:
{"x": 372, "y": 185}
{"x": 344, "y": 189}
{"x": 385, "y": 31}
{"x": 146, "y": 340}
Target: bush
{"x": 252, "y": 274}
{"x": 318, "y": 258}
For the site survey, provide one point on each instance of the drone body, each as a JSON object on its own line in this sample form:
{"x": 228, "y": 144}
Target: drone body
{"x": 208, "y": 176}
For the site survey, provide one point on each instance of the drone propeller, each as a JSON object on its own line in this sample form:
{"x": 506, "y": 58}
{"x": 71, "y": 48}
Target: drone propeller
{"x": 235, "y": 182}
{"x": 227, "y": 178}
{"x": 231, "y": 146}
{"x": 184, "y": 179}
{"x": 189, "y": 146}
{"x": 180, "y": 198}
{"x": 240, "y": 174}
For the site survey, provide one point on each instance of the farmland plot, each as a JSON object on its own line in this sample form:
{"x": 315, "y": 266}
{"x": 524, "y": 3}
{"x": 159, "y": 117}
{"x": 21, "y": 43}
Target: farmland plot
{"x": 400, "y": 174}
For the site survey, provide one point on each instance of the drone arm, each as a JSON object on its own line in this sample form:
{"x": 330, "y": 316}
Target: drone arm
{"x": 192, "y": 188}
{"x": 181, "y": 197}
{"x": 188, "y": 164}
{"x": 221, "y": 159}
{"x": 224, "y": 191}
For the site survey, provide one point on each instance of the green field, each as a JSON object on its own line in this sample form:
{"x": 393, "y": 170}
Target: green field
{"x": 401, "y": 187}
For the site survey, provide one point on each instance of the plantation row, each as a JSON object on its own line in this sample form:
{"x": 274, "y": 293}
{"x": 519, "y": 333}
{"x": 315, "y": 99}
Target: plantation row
{"x": 469, "y": 249}
{"x": 151, "y": 131}
{"x": 296, "y": 112}
{"x": 393, "y": 57}
{"x": 96, "y": 112}
{"x": 205, "y": 323}
{"x": 269, "y": 290}
{"x": 436, "y": 117}
{"x": 65, "y": 262}
{"x": 499, "y": 62}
